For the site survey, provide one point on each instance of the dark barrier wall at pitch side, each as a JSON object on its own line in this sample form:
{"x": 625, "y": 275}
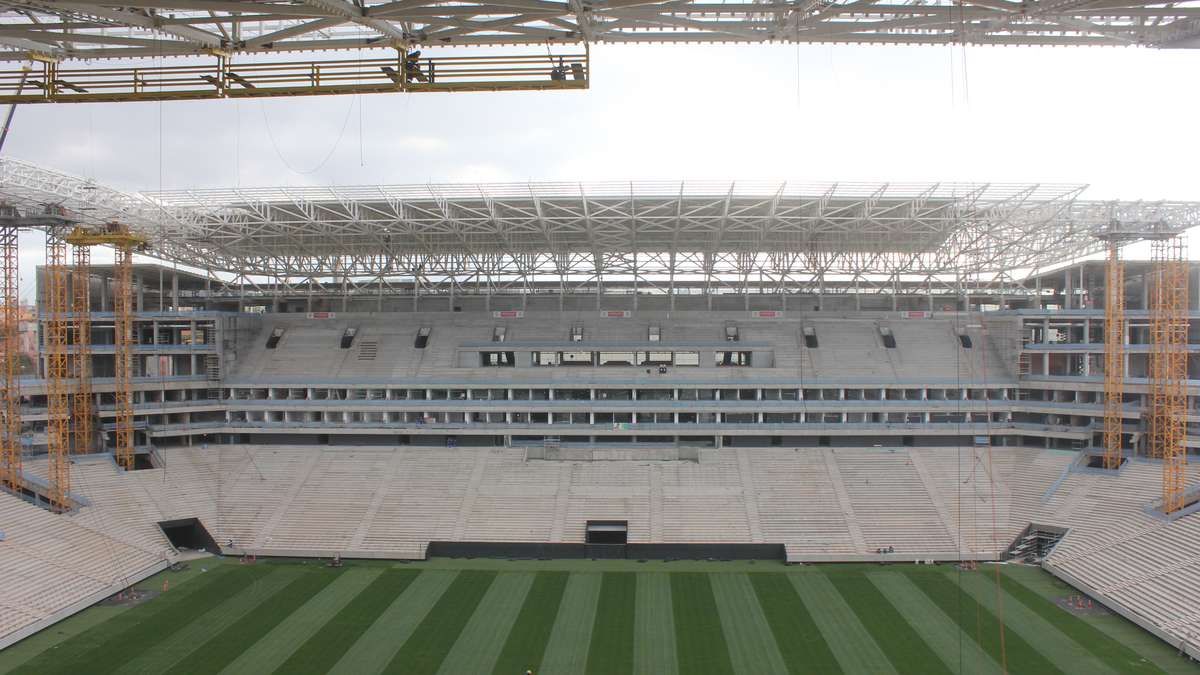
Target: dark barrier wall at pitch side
{"x": 502, "y": 549}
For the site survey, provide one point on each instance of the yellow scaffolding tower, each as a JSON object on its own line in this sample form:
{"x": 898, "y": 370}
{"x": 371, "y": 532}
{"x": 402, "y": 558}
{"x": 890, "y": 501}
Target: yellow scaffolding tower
{"x": 1168, "y": 366}
{"x": 58, "y": 389}
{"x": 124, "y": 242}
{"x": 81, "y": 310}
{"x": 1114, "y": 357}
{"x": 10, "y": 323}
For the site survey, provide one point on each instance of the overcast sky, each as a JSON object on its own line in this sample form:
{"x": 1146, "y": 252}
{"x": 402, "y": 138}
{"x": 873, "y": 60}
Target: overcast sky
{"x": 1114, "y": 118}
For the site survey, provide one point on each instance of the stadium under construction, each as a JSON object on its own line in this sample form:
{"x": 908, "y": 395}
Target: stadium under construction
{"x": 915, "y": 373}
{"x": 803, "y": 372}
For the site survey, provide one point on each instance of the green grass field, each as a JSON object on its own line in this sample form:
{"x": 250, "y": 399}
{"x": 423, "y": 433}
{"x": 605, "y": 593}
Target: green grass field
{"x": 586, "y": 617}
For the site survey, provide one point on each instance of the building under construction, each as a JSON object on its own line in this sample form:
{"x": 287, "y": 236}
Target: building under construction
{"x": 808, "y": 372}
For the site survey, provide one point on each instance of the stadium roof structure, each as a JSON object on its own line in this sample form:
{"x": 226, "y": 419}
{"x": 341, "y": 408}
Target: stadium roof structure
{"x": 655, "y": 233}
{"x": 79, "y": 29}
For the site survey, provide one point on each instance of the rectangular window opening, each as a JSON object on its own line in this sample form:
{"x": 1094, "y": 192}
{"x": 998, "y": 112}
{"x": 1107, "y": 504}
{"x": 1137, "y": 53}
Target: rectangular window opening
{"x": 273, "y": 340}
{"x": 810, "y": 337}
{"x": 422, "y": 340}
{"x": 348, "y": 337}
{"x": 889, "y": 340}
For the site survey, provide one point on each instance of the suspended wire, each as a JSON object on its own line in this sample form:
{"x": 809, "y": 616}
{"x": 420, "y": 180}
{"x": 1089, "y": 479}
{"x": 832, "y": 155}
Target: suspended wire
{"x": 318, "y": 167}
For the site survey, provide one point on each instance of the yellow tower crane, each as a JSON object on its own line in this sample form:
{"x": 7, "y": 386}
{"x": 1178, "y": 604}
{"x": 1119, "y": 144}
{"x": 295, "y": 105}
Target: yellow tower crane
{"x": 124, "y": 242}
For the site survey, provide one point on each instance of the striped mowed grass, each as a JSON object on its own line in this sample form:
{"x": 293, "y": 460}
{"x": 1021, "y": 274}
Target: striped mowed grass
{"x": 579, "y": 618}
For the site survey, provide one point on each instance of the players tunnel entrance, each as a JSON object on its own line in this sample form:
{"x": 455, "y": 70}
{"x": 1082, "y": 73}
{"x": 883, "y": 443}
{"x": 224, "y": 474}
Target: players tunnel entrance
{"x": 189, "y": 533}
{"x": 607, "y": 532}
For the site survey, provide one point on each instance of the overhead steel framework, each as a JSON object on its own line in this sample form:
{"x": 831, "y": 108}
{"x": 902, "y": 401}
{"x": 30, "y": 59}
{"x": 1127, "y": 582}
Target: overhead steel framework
{"x": 473, "y": 239}
{"x": 76, "y": 29}
{"x": 402, "y": 72}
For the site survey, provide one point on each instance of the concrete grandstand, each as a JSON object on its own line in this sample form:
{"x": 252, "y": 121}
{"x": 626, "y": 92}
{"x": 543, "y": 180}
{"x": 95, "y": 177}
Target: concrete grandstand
{"x": 910, "y": 373}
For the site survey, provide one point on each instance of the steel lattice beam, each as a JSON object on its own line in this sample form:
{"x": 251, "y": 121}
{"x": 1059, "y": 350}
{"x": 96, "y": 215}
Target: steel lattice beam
{"x": 74, "y": 29}
{"x": 650, "y": 233}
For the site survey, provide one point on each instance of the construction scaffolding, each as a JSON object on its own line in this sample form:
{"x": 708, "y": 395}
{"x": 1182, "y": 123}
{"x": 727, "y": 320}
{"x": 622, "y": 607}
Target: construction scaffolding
{"x": 1114, "y": 357}
{"x": 58, "y": 382}
{"x": 124, "y": 242}
{"x": 1169, "y": 367}
{"x": 10, "y": 322}
{"x": 81, "y": 315}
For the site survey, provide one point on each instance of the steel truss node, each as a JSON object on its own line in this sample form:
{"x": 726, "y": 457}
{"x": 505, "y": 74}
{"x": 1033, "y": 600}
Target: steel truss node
{"x": 152, "y": 29}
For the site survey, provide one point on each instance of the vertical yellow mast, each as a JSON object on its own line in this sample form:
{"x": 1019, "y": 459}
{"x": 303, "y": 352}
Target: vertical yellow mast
{"x": 81, "y": 311}
{"x": 1168, "y": 366}
{"x": 1114, "y": 357}
{"x": 10, "y": 323}
{"x": 123, "y": 323}
{"x": 58, "y": 394}
{"x": 124, "y": 243}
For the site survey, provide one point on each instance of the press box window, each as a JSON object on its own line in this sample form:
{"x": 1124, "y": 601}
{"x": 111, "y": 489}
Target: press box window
{"x": 733, "y": 359}
{"x": 655, "y": 358}
{"x": 574, "y": 358}
{"x": 577, "y": 332}
{"x": 502, "y": 359}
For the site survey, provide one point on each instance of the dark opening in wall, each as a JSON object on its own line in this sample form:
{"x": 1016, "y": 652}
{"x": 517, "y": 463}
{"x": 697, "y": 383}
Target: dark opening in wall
{"x": 607, "y": 531}
{"x": 889, "y": 340}
{"x": 810, "y": 337}
{"x": 273, "y": 340}
{"x": 348, "y": 337}
{"x": 422, "y": 337}
{"x": 965, "y": 341}
{"x": 189, "y": 533}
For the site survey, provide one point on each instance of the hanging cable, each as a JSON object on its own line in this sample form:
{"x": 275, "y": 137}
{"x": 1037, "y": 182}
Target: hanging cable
{"x": 318, "y": 167}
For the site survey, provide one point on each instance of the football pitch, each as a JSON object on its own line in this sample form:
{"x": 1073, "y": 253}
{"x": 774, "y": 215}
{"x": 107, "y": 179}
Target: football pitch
{"x": 462, "y": 617}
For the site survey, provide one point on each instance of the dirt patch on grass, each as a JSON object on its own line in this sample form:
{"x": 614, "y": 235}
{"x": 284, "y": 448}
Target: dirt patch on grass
{"x": 129, "y": 597}
{"x": 1081, "y": 605}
